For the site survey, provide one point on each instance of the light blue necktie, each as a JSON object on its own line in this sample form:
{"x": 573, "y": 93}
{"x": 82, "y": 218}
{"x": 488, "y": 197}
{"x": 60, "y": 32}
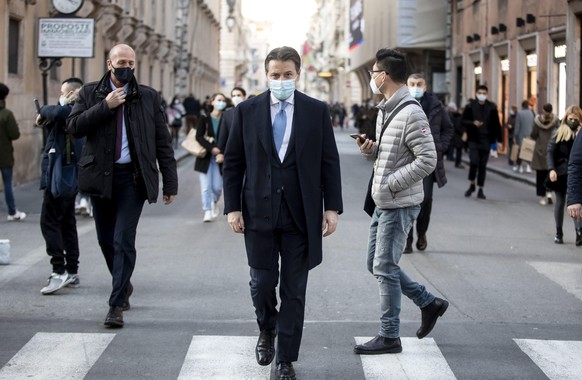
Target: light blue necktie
{"x": 279, "y": 126}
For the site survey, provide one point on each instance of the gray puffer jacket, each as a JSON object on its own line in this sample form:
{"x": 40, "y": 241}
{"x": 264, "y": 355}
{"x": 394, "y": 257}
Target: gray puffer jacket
{"x": 406, "y": 155}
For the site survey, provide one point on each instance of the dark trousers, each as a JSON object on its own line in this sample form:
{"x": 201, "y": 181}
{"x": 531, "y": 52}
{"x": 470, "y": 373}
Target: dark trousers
{"x": 291, "y": 245}
{"x": 116, "y": 222}
{"x": 478, "y": 158}
{"x": 541, "y": 176}
{"x": 59, "y": 229}
{"x": 423, "y": 218}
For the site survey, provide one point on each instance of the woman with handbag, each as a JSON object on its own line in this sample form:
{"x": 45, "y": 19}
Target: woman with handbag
{"x": 559, "y": 149}
{"x": 207, "y": 133}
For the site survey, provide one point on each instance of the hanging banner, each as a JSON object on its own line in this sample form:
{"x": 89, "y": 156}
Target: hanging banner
{"x": 356, "y": 23}
{"x": 66, "y": 37}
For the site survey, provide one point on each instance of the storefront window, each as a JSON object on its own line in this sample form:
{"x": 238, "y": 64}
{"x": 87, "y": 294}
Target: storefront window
{"x": 560, "y": 78}
{"x": 532, "y": 77}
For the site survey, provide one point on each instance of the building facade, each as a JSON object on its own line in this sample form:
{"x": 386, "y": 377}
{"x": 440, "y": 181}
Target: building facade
{"x": 172, "y": 61}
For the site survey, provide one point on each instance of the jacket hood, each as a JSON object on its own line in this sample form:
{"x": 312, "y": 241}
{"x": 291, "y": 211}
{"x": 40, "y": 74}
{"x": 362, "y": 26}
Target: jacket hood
{"x": 546, "y": 123}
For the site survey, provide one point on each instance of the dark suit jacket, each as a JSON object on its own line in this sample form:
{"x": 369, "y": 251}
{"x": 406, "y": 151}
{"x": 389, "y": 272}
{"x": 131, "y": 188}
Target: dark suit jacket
{"x": 248, "y": 166}
{"x": 224, "y": 129}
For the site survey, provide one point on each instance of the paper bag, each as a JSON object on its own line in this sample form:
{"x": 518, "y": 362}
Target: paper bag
{"x": 526, "y": 150}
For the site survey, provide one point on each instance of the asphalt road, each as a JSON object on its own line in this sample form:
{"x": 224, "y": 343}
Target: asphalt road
{"x": 515, "y": 313}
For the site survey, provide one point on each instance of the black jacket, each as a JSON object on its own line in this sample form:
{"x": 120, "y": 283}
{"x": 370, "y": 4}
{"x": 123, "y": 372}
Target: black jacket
{"x": 490, "y": 118}
{"x": 441, "y": 129}
{"x": 575, "y": 172}
{"x": 205, "y": 128}
{"x": 557, "y": 155}
{"x": 149, "y": 139}
{"x": 224, "y": 129}
{"x": 56, "y": 128}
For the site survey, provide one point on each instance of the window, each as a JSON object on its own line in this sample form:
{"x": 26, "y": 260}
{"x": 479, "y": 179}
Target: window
{"x": 13, "y": 39}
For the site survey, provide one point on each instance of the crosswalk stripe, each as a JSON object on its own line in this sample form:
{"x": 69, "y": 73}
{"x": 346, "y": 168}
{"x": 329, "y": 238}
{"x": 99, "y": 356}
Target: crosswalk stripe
{"x": 222, "y": 358}
{"x": 419, "y": 360}
{"x": 567, "y": 275}
{"x": 559, "y": 359}
{"x": 56, "y": 356}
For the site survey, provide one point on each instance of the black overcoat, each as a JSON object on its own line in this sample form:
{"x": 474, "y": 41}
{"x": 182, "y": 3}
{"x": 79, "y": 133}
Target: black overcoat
{"x": 247, "y": 173}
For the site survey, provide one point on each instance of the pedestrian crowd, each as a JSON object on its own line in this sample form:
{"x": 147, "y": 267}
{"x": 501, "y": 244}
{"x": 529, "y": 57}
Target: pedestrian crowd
{"x": 274, "y": 160}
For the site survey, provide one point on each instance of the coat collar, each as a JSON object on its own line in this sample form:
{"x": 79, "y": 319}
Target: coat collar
{"x": 104, "y": 87}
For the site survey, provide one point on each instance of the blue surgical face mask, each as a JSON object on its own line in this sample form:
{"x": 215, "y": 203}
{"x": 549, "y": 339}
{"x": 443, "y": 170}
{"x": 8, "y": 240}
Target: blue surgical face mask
{"x": 219, "y": 105}
{"x": 282, "y": 89}
{"x": 416, "y": 92}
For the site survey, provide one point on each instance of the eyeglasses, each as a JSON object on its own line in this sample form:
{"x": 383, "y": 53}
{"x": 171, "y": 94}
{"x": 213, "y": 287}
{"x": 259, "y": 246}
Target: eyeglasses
{"x": 374, "y": 71}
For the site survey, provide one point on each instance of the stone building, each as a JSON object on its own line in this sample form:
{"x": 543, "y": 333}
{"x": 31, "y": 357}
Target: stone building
{"x": 176, "y": 43}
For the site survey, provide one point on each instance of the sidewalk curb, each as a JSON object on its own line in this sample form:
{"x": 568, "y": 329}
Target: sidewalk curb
{"x": 508, "y": 173}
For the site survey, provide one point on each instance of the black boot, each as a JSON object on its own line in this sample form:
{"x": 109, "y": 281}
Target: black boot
{"x": 578, "y": 237}
{"x": 470, "y": 190}
{"x": 558, "y": 239}
{"x": 481, "y": 194}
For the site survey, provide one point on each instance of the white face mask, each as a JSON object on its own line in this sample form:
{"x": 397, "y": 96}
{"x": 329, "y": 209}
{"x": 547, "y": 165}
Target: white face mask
{"x": 63, "y": 100}
{"x": 375, "y": 89}
{"x": 236, "y": 100}
{"x": 416, "y": 92}
{"x": 481, "y": 97}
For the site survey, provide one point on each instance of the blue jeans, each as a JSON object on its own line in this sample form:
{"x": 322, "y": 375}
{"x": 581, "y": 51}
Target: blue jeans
{"x": 210, "y": 185}
{"x": 388, "y": 233}
{"x": 8, "y": 193}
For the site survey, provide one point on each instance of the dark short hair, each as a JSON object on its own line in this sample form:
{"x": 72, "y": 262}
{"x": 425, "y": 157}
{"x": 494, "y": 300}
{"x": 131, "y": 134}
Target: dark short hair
{"x": 4, "y": 91}
{"x": 393, "y": 63}
{"x": 73, "y": 82}
{"x": 525, "y": 104}
{"x": 548, "y": 108}
{"x": 283, "y": 53}
{"x": 482, "y": 87}
{"x": 240, "y": 89}
{"x": 416, "y": 76}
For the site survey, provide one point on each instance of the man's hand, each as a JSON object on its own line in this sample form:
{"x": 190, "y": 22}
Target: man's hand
{"x": 329, "y": 223}
{"x": 478, "y": 123}
{"x": 575, "y": 211}
{"x": 219, "y": 158}
{"x": 367, "y": 147}
{"x": 168, "y": 199}
{"x": 115, "y": 98}
{"x": 236, "y": 222}
{"x": 553, "y": 176}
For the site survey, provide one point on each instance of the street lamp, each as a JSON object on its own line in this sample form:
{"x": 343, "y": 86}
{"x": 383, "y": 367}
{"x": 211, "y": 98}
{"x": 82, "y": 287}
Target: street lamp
{"x": 230, "y": 21}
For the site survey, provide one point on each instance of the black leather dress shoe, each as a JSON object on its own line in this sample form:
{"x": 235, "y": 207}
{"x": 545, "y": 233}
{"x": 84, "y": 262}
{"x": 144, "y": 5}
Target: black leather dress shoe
{"x": 285, "y": 371}
{"x": 481, "y": 194}
{"x": 421, "y": 243}
{"x": 265, "y": 349}
{"x": 470, "y": 191}
{"x": 114, "y": 317}
{"x": 379, "y": 345}
{"x": 128, "y": 292}
{"x": 408, "y": 248}
{"x": 430, "y": 315}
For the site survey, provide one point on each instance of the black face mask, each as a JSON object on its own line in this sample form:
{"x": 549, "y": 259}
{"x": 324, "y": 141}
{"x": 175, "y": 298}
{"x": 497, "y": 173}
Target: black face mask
{"x": 573, "y": 124}
{"x": 123, "y": 74}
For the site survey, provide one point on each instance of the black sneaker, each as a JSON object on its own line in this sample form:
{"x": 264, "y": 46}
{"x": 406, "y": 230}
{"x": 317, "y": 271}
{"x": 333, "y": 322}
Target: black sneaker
{"x": 558, "y": 239}
{"x": 470, "y": 191}
{"x": 480, "y": 194}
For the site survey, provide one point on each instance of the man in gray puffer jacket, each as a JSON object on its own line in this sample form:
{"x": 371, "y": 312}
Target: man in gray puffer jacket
{"x": 404, "y": 154}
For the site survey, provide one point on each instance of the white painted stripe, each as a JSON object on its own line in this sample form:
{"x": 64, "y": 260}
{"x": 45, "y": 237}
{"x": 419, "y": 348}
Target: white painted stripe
{"x": 567, "y": 275}
{"x": 420, "y": 359}
{"x": 56, "y": 356}
{"x": 559, "y": 359}
{"x": 21, "y": 264}
{"x": 222, "y": 358}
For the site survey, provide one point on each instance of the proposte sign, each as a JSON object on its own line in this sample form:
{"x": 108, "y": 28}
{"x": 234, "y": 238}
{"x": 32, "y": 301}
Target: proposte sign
{"x": 66, "y": 37}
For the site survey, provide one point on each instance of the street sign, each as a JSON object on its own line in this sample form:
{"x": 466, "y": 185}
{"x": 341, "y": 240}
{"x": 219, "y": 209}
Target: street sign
{"x": 66, "y": 37}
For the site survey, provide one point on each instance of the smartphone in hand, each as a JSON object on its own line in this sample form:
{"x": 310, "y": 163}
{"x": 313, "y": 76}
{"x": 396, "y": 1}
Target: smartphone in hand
{"x": 36, "y": 104}
{"x": 356, "y": 136}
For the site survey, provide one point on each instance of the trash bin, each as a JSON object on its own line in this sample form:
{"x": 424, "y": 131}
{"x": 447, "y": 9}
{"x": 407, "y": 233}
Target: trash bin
{"x": 4, "y": 251}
